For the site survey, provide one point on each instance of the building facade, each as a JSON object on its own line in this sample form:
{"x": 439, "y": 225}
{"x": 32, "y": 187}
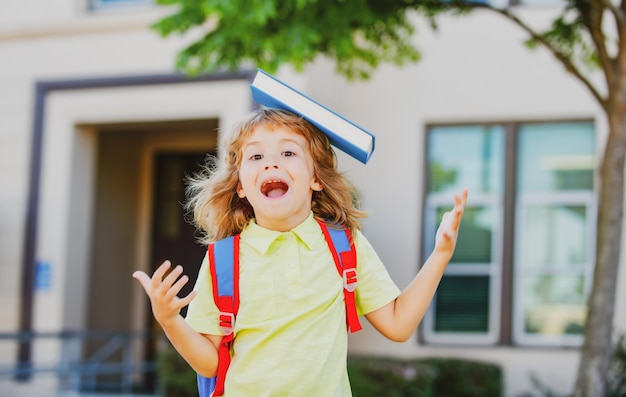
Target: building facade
{"x": 97, "y": 132}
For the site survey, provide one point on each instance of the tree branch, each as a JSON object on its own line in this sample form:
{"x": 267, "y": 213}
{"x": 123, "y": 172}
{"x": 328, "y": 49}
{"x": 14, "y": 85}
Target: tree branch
{"x": 565, "y": 61}
{"x": 618, "y": 13}
{"x": 594, "y": 25}
{"x": 620, "y": 23}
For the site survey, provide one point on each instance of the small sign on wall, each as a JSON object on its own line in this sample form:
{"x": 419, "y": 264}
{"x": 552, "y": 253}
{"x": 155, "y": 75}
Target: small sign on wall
{"x": 43, "y": 276}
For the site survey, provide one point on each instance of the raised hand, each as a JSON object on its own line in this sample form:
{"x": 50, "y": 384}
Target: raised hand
{"x": 162, "y": 291}
{"x": 448, "y": 230}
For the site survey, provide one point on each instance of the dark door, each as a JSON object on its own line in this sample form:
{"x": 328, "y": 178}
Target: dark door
{"x": 174, "y": 236}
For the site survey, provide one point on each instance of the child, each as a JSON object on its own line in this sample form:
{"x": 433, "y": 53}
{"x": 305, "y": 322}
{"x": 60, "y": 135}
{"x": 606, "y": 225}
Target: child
{"x": 276, "y": 176}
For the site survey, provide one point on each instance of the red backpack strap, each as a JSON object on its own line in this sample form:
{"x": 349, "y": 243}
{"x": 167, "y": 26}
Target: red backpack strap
{"x": 224, "y": 268}
{"x": 344, "y": 254}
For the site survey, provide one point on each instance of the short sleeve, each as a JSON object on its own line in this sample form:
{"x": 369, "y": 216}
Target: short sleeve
{"x": 202, "y": 313}
{"x": 375, "y": 287}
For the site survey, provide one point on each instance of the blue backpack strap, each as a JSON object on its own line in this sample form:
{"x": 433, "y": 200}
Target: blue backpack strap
{"x": 223, "y": 256}
{"x": 224, "y": 259}
{"x": 225, "y": 277}
{"x": 341, "y": 246}
{"x": 206, "y": 385}
{"x": 340, "y": 239}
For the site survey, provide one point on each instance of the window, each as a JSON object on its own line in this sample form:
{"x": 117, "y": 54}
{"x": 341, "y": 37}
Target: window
{"x": 113, "y": 4}
{"x": 521, "y": 270}
{"x": 524, "y": 3}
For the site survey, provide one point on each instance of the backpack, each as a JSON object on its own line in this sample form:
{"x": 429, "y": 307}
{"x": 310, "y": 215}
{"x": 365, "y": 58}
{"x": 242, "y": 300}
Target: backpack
{"x": 223, "y": 256}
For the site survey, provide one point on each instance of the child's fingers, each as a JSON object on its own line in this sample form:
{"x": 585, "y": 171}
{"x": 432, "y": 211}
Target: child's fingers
{"x": 169, "y": 280}
{"x": 186, "y": 300}
{"x": 446, "y": 220}
{"x": 144, "y": 280}
{"x": 157, "y": 277}
{"x": 175, "y": 289}
{"x": 463, "y": 199}
{"x": 459, "y": 208}
{"x": 451, "y": 219}
{"x": 448, "y": 224}
{"x": 460, "y": 200}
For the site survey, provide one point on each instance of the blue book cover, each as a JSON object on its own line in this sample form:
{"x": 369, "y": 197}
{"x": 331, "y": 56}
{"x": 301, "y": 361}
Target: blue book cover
{"x": 343, "y": 134}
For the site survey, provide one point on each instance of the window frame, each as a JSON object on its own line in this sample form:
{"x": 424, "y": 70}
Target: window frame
{"x": 589, "y": 201}
{"x": 506, "y": 316}
{"x": 103, "y": 5}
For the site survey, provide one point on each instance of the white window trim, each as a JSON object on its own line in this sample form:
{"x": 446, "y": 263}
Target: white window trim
{"x": 586, "y": 198}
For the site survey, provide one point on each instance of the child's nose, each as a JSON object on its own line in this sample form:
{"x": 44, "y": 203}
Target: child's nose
{"x": 271, "y": 163}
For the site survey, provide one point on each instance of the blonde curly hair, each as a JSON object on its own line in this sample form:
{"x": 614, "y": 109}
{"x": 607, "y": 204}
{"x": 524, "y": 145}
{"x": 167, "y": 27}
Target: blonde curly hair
{"x": 218, "y": 211}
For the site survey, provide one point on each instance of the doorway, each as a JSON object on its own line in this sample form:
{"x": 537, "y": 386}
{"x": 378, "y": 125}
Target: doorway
{"x": 139, "y": 221}
{"x": 96, "y": 148}
{"x": 174, "y": 236}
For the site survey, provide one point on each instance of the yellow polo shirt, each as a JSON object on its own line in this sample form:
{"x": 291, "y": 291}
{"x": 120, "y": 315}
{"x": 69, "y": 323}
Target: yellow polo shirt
{"x": 290, "y": 332}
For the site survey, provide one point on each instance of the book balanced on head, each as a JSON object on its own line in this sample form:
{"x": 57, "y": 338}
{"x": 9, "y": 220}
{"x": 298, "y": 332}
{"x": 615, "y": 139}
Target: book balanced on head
{"x": 343, "y": 134}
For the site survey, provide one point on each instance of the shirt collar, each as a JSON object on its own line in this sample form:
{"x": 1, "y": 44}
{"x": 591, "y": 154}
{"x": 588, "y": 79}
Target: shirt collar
{"x": 260, "y": 238}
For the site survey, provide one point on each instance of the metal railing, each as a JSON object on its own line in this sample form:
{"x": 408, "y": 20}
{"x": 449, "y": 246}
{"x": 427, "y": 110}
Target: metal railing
{"x": 112, "y": 354}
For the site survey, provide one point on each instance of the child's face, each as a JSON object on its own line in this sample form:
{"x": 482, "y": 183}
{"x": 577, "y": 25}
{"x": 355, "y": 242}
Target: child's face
{"x": 276, "y": 175}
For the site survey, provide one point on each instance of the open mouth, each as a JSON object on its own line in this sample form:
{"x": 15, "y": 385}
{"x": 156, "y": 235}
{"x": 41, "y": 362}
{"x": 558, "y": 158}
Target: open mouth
{"x": 274, "y": 188}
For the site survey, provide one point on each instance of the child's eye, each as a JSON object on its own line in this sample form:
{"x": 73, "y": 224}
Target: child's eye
{"x": 256, "y": 157}
{"x": 288, "y": 153}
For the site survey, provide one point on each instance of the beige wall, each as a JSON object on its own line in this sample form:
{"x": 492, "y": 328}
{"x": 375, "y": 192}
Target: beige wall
{"x": 458, "y": 79}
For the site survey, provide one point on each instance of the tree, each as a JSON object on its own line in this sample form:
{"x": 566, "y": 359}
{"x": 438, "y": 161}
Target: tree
{"x": 588, "y": 36}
